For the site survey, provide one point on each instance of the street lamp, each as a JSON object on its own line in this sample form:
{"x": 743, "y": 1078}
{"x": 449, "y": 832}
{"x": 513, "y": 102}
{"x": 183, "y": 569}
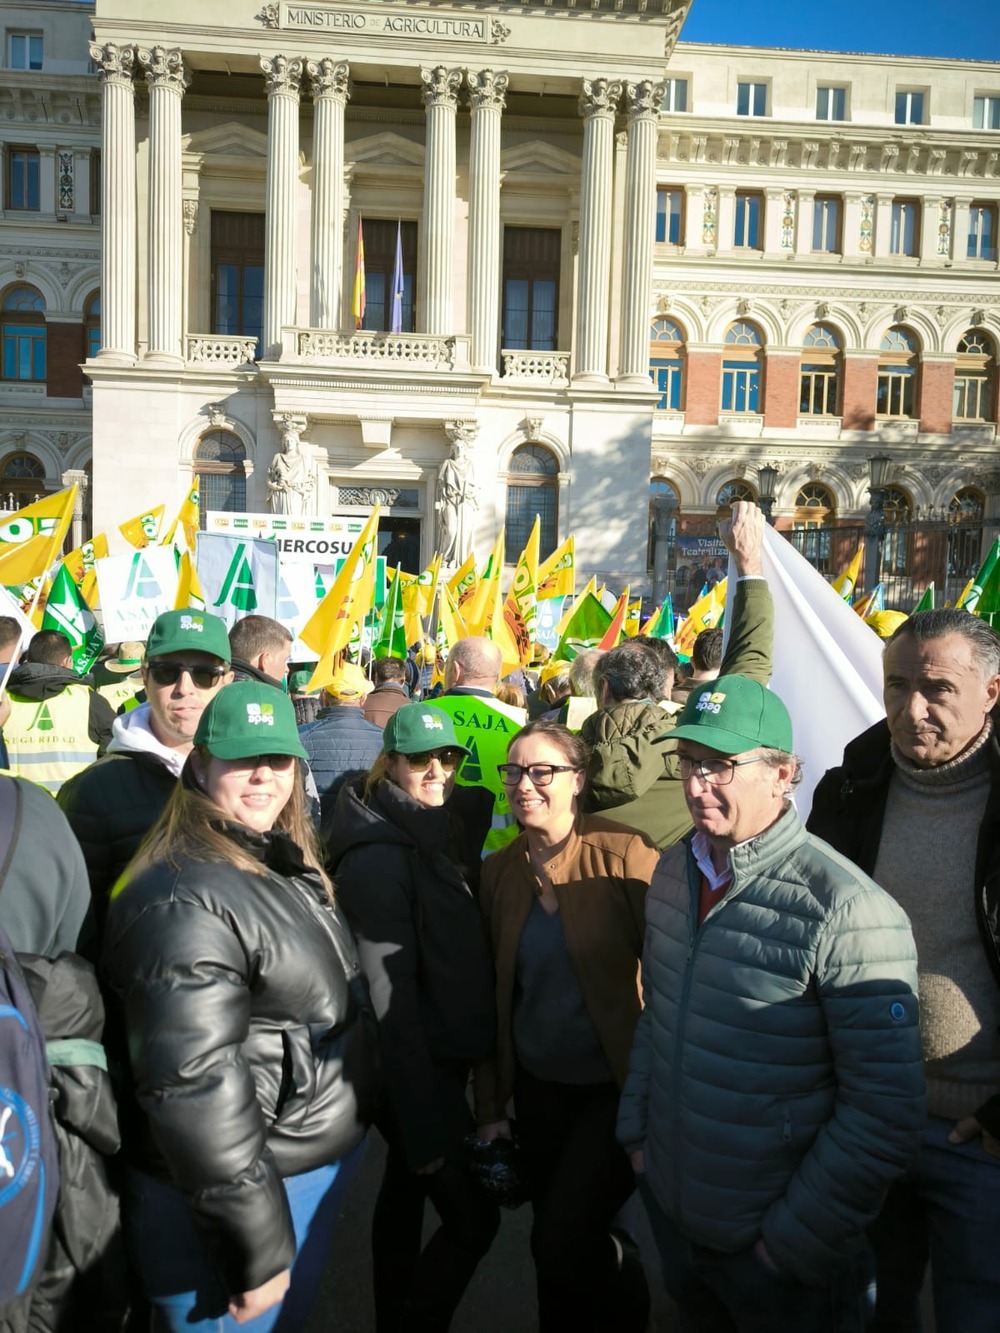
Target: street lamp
{"x": 767, "y": 476}
{"x": 878, "y": 468}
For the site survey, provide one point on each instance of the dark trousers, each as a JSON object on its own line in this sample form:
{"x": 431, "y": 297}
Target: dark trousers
{"x": 417, "y": 1289}
{"x": 579, "y": 1179}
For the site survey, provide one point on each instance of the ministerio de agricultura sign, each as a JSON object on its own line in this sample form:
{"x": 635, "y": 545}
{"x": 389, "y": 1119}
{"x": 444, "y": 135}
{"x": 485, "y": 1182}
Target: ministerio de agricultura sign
{"x": 387, "y": 23}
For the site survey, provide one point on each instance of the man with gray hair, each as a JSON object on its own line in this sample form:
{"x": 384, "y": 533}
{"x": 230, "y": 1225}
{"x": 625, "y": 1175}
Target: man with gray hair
{"x": 916, "y": 804}
{"x": 473, "y": 667}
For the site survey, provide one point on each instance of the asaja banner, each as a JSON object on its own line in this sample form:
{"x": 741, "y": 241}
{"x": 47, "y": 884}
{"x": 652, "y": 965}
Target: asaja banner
{"x": 134, "y": 589}
{"x": 487, "y": 727}
{"x": 238, "y": 576}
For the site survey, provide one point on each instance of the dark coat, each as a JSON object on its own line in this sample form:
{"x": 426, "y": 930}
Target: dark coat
{"x": 423, "y": 949}
{"x": 340, "y": 745}
{"x": 250, "y": 1052}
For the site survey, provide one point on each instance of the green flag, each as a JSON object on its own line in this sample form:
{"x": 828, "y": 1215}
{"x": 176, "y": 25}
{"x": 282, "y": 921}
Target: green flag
{"x": 926, "y": 602}
{"x": 67, "y": 612}
{"x": 662, "y": 624}
{"x": 586, "y": 628}
{"x": 970, "y": 600}
{"x": 987, "y": 604}
{"x": 391, "y": 641}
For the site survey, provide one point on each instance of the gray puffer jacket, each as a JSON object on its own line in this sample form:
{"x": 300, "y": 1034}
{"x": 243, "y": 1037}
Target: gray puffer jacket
{"x": 775, "y": 1084}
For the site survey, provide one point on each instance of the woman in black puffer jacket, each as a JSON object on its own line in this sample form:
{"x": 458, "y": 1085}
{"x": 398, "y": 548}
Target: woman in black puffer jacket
{"x": 423, "y": 949}
{"x": 252, "y": 1050}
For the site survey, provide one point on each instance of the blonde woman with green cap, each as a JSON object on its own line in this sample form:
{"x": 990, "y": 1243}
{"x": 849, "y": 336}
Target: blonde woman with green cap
{"x": 252, "y": 1051}
{"x": 392, "y": 845}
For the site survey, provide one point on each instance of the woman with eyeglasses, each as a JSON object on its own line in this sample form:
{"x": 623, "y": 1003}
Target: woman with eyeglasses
{"x": 420, "y": 936}
{"x": 252, "y": 1049}
{"x": 564, "y": 908}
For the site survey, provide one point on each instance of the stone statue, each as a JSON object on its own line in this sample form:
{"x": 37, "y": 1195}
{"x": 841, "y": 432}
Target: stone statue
{"x": 288, "y": 478}
{"x": 455, "y": 503}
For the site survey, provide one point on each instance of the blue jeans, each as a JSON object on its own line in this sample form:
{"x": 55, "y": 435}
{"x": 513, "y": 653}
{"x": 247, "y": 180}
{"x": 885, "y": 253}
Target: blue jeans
{"x": 946, "y": 1209}
{"x": 737, "y": 1293}
{"x": 177, "y": 1274}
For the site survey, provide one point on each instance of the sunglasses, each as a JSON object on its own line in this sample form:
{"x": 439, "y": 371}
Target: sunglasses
{"x": 278, "y": 763}
{"x": 449, "y": 758}
{"x": 169, "y": 673}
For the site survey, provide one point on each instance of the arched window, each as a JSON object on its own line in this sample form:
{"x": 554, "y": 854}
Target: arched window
{"x": 815, "y": 512}
{"x": 741, "y": 367}
{"x": 92, "y": 325}
{"x": 965, "y": 533}
{"x": 220, "y": 466}
{"x": 897, "y": 507}
{"x": 666, "y": 363}
{"x": 975, "y": 377}
{"x": 897, "y": 374}
{"x": 819, "y": 385}
{"x": 532, "y": 488}
{"x": 660, "y": 488}
{"x": 731, "y": 492}
{"x": 23, "y": 334}
{"x": 22, "y": 481}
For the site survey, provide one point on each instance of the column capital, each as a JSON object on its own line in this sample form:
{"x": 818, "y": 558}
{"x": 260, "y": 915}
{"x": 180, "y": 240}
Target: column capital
{"x": 644, "y": 99}
{"x": 114, "y": 63}
{"x": 164, "y": 69}
{"x": 600, "y": 97}
{"x": 330, "y": 78}
{"x": 282, "y": 74}
{"x": 487, "y": 89}
{"x": 440, "y": 86}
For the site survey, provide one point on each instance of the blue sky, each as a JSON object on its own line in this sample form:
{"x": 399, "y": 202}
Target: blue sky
{"x": 916, "y": 28}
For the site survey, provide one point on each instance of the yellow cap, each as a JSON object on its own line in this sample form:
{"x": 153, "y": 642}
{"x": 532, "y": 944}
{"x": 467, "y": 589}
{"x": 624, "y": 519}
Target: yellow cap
{"x": 349, "y": 682}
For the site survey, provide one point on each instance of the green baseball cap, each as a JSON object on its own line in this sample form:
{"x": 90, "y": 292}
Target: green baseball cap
{"x": 734, "y": 714}
{"x": 247, "y": 719}
{"x": 185, "y": 631}
{"x": 415, "y": 728}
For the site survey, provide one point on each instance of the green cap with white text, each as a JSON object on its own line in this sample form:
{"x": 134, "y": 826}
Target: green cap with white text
{"x": 248, "y": 719}
{"x": 734, "y": 714}
{"x": 416, "y": 728}
{"x": 189, "y": 631}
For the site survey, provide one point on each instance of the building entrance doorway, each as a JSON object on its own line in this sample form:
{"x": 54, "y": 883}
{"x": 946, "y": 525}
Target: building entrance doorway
{"x": 399, "y": 542}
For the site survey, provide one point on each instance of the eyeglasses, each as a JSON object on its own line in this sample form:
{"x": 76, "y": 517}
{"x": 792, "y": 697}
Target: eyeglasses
{"x": 539, "y": 775}
{"x": 169, "y": 673}
{"x": 715, "y": 772}
{"x": 278, "y": 763}
{"x": 449, "y": 758}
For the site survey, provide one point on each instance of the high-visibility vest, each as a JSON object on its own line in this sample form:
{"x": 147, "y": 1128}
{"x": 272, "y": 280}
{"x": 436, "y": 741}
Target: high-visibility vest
{"x": 47, "y": 739}
{"x": 118, "y": 692}
{"x": 486, "y": 727}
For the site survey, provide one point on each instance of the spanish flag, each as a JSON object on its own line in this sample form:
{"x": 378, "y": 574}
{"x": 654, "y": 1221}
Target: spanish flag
{"x": 358, "y": 296}
{"x": 31, "y": 540}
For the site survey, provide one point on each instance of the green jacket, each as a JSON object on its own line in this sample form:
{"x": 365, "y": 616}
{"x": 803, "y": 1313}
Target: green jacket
{"x": 633, "y": 777}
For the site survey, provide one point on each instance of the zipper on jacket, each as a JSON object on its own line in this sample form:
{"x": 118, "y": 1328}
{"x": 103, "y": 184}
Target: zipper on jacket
{"x": 786, "y": 1129}
{"x": 352, "y": 968}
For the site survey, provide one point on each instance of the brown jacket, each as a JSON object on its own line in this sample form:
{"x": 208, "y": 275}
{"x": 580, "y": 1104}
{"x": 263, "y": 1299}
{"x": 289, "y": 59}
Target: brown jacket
{"x": 600, "y": 881}
{"x": 383, "y": 701}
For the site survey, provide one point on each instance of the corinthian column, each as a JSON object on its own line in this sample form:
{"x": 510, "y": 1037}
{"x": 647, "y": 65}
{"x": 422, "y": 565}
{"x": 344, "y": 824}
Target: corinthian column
{"x": 487, "y": 92}
{"x": 117, "y": 202}
{"x": 165, "y": 76}
{"x": 440, "y": 93}
{"x": 598, "y": 104}
{"x": 282, "y": 77}
{"x": 644, "y": 100}
{"x": 330, "y": 91}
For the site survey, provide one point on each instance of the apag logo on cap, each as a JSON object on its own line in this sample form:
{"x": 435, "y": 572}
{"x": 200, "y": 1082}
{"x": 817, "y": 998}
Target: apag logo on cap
{"x": 260, "y": 715}
{"x": 432, "y": 723}
{"x": 710, "y": 703}
{"x": 192, "y": 623}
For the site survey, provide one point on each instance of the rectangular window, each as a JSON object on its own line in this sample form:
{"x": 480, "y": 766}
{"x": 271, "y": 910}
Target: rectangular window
{"x": 895, "y": 393}
{"x": 982, "y": 231}
{"x": 751, "y": 99}
{"x": 24, "y": 50}
{"x": 22, "y": 179}
{"x": 818, "y": 391}
{"x": 380, "y": 263}
{"x": 676, "y": 98}
{"x": 670, "y": 216}
{"x": 531, "y": 288}
{"x": 747, "y": 230}
{"x": 826, "y": 224}
{"x": 238, "y": 275}
{"x": 740, "y": 386}
{"x": 971, "y": 402}
{"x": 905, "y": 227}
{"x": 831, "y": 103}
{"x": 909, "y": 108}
{"x": 986, "y": 112}
{"x": 24, "y": 351}
{"x": 666, "y": 375}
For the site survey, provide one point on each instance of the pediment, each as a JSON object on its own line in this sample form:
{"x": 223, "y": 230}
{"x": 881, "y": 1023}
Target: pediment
{"x": 539, "y": 158}
{"x": 231, "y": 139}
{"x": 385, "y": 150}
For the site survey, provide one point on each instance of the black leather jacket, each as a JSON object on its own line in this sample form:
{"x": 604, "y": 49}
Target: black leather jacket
{"x": 251, "y": 1043}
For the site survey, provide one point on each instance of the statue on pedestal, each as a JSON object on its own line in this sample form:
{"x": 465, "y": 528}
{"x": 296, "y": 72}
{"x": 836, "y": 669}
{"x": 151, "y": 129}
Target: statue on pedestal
{"x": 456, "y": 496}
{"x": 289, "y": 480}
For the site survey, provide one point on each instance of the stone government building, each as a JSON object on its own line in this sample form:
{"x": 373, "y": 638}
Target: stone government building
{"x": 633, "y": 269}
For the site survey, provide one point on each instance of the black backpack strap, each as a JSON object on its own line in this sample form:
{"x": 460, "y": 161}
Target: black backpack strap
{"x": 10, "y": 823}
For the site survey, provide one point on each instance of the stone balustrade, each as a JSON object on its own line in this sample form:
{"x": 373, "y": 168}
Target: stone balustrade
{"x": 406, "y": 351}
{"x": 231, "y": 353}
{"x": 539, "y": 368}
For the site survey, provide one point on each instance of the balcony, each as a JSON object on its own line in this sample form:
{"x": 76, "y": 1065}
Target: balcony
{"x": 211, "y": 352}
{"x": 364, "y": 350}
{"x": 537, "y": 369}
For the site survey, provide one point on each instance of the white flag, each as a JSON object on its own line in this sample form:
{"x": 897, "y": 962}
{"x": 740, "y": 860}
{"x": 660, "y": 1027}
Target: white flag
{"x": 134, "y": 589}
{"x": 238, "y": 575}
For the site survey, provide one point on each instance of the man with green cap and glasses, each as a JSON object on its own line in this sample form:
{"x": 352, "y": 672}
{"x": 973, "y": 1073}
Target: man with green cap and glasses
{"x": 112, "y": 804}
{"x": 775, "y": 1086}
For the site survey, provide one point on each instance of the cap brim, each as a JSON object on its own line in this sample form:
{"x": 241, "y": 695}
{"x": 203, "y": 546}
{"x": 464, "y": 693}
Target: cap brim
{"x": 716, "y": 738}
{"x": 448, "y": 745}
{"x": 240, "y": 749}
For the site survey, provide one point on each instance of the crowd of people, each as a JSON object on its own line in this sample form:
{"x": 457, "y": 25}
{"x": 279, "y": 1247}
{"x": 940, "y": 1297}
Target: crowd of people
{"x": 621, "y": 967}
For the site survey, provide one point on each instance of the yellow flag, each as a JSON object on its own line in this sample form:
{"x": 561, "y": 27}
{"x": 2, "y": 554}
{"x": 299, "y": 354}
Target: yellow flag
{"x": 189, "y": 593}
{"x": 463, "y": 582}
{"x": 575, "y": 605}
{"x": 144, "y": 528}
{"x": 31, "y": 540}
{"x": 480, "y": 610}
{"x": 340, "y": 614}
{"x": 705, "y": 614}
{"x": 188, "y": 516}
{"x": 80, "y": 566}
{"x": 452, "y": 625}
{"x": 632, "y": 618}
{"x": 520, "y": 610}
{"x": 847, "y": 581}
{"x": 557, "y": 574}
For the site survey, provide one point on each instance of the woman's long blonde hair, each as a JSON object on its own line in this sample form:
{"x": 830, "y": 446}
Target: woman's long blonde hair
{"x": 190, "y": 829}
